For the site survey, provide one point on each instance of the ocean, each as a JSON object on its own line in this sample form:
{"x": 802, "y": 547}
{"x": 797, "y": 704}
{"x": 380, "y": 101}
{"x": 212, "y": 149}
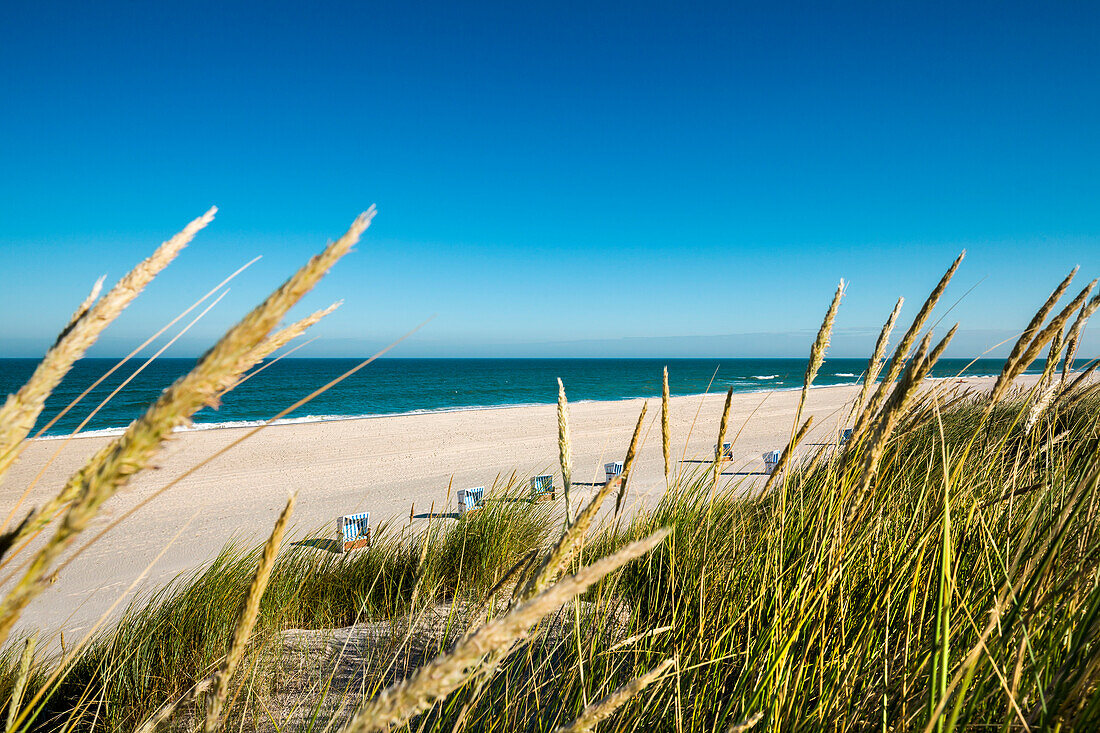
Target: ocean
{"x": 403, "y": 386}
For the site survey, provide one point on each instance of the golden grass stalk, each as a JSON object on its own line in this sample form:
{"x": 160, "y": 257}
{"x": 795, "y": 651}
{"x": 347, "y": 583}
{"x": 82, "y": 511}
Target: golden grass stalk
{"x": 21, "y": 681}
{"x": 102, "y": 378}
{"x": 82, "y": 309}
{"x": 1074, "y": 335}
{"x": 1046, "y": 386}
{"x": 1033, "y": 326}
{"x": 284, "y": 336}
{"x": 43, "y": 515}
{"x": 666, "y": 432}
{"x": 446, "y": 673}
{"x": 723, "y": 424}
{"x": 897, "y": 361}
{"x": 874, "y": 366}
{"x": 1081, "y": 378}
{"x": 900, "y": 401}
{"x": 111, "y": 468}
{"x": 565, "y": 453}
{"x": 628, "y": 462}
{"x": 606, "y": 706}
{"x": 817, "y": 351}
{"x": 38, "y": 518}
{"x": 1023, "y": 356}
{"x": 246, "y": 619}
{"x": 787, "y": 454}
{"x": 140, "y": 347}
{"x": 22, "y": 409}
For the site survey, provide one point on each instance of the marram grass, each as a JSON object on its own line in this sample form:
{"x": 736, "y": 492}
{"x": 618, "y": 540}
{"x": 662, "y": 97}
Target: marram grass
{"x": 939, "y": 572}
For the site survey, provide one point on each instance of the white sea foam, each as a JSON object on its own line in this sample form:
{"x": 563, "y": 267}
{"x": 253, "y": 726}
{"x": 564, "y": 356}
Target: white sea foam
{"x": 846, "y": 374}
{"x": 116, "y": 431}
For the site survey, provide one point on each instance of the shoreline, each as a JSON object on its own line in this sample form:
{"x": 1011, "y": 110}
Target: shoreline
{"x": 112, "y": 432}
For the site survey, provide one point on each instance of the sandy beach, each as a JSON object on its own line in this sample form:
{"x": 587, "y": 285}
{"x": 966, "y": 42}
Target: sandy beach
{"x": 384, "y": 465}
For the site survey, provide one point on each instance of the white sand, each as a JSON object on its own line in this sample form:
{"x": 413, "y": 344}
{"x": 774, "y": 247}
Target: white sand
{"x": 381, "y": 465}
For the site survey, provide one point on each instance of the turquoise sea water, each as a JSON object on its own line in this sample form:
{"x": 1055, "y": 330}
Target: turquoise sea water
{"x": 397, "y": 386}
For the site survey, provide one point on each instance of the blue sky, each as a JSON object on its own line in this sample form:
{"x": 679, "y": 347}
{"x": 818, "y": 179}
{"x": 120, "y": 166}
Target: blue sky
{"x": 552, "y": 179}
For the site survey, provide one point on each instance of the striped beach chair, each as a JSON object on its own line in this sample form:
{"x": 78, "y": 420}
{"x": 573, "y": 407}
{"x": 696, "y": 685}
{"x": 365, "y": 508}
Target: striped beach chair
{"x": 353, "y": 531}
{"x": 470, "y": 500}
{"x": 726, "y": 454}
{"x": 611, "y": 470}
{"x": 542, "y": 488}
{"x": 771, "y": 460}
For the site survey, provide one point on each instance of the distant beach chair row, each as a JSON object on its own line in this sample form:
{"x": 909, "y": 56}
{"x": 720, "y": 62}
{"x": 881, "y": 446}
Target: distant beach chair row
{"x": 353, "y": 531}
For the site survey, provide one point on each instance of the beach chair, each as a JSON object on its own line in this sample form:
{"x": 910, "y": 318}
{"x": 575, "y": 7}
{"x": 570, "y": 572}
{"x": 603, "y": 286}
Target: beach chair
{"x": 542, "y": 488}
{"x": 470, "y": 500}
{"x": 611, "y": 470}
{"x": 771, "y": 460}
{"x": 726, "y": 454}
{"x": 845, "y": 435}
{"x": 353, "y": 531}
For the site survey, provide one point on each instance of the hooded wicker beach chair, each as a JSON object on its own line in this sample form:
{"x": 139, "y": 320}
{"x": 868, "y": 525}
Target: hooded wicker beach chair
{"x": 353, "y": 531}
{"x": 542, "y": 488}
{"x": 470, "y": 500}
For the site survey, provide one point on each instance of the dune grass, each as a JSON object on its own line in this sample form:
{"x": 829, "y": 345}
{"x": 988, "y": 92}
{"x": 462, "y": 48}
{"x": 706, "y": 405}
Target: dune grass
{"x": 938, "y": 571}
{"x": 962, "y": 591}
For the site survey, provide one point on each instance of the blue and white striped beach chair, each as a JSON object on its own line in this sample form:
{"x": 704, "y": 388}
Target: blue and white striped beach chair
{"x": 470, "y": 500}
{"x": 771, "y": 460}
{"x": 353, "y": 531}
{"x": 726, "y": 453}
{"x": 542, "y": 487}
{"x": 611, "y": 470}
